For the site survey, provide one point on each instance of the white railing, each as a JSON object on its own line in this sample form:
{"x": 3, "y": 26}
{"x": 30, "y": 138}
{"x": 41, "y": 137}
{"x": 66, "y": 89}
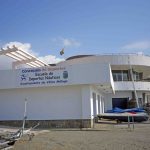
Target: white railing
{"x": 128, "y": 86}
{"x": 121, "y": 54}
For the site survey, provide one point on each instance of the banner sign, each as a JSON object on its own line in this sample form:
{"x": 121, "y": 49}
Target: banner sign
{"x": 43, "y": 76}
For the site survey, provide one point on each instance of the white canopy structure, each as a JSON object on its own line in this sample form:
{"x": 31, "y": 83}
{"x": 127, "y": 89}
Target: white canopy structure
{"x": 22, "y": 57}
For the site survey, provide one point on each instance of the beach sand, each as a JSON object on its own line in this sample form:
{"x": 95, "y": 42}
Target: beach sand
{"x": 104, "y": 136}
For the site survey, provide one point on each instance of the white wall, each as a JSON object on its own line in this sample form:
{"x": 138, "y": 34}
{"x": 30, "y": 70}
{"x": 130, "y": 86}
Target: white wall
{"x": 86, "y": 102}
{"x": 108, "y": 98}
{"x": 91, "y": 73}
{"x": 43, "y": 103}
{"x": 121, "y": 94}
{"x": 7, "y": 79}
{"x": 111, "y": 79}
{"x": 128, "y": 86}
{"x": 118, "y": 59}
{"x": 97, "y": 105}
{"x": 5, "y": 62}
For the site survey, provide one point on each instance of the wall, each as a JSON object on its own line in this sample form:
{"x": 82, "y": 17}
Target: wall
{"x": 86, "y": 102}
{"x": 51, "y": 103}
{"x": 128, "y": 86}
{"x": 97, "y": 102}
{"x": 108, "y": 98}
{"x": 91, "y": 73}
{"x": 118, "y": 59}
{"x": 120, "y": 94}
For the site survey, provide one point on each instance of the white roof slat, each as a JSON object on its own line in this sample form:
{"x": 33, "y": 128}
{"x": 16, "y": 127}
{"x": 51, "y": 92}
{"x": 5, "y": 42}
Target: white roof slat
{"x": 40, "y": 63}
{"x": 21, "y": 54}
{"x": 31, "y": 65}
{"x": 4, "y": 52}
{"x": 35, "y": 64}
{"x": 22, "y": 57}
{"x": 14, "y": 57}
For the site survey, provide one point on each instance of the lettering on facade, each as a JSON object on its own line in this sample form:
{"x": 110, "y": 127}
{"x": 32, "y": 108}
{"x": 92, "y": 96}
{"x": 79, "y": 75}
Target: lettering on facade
{"x": 44, "y": 76}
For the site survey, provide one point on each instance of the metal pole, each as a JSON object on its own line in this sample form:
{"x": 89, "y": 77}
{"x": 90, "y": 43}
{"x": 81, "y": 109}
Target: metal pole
{"x": 93, "y": 121}
{"x": 133, "y": 122}
{"x": 132, "y": 78}
{"x": 25, "y": 115}
{"x": 129, "y": 121}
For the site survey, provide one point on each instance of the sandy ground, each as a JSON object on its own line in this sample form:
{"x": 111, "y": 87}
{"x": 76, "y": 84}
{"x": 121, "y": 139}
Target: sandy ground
{"x": 104, "y": 136}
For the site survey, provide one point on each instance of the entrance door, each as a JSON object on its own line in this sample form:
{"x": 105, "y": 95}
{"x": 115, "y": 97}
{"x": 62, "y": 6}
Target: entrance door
{"x": 119, "y": 102}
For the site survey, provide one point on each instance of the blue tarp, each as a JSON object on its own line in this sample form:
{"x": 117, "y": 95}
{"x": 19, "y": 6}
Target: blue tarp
{"x": 119, "y": 110}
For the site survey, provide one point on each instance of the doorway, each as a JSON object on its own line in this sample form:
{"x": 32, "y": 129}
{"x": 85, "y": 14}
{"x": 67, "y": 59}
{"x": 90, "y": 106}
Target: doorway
{"x": 119, "y": 102}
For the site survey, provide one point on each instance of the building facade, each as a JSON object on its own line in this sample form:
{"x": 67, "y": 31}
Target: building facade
{"x": 71, "y": 93}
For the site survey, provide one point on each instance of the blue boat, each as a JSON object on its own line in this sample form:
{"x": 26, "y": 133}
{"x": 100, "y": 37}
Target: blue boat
{"x": 123, "y": 115}
{"x": 119, "y": 110}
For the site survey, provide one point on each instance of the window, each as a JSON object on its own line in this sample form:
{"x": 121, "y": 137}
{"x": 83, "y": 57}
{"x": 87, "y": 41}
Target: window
{"x": 137, "y": 76}
{"x": 117, "y": 75}
{"x": 124, "y": 75}
{"x": 120, "y": 75}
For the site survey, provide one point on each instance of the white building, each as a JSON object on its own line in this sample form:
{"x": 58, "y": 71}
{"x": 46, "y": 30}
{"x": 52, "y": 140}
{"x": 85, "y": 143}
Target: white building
{"x": 72, "y": 92}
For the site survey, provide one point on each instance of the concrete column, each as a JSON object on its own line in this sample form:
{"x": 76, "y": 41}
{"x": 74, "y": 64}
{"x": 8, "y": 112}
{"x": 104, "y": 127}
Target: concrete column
{"x": 100, "y": 104}
{"x": 96, "y": 104}
{"x": 87, "y": 103}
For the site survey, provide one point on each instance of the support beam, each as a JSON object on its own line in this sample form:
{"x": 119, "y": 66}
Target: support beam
{"x": 4, "y": 52}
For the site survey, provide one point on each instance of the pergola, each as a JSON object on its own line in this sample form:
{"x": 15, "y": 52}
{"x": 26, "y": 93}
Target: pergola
{"x": 22, "y": 57}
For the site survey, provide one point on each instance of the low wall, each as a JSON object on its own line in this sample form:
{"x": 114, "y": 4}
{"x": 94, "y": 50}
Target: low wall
{"x": 79, "y": 123}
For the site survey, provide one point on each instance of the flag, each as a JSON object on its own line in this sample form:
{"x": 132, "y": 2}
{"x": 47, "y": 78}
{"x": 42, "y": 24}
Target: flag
{"x": 62, "y": 52}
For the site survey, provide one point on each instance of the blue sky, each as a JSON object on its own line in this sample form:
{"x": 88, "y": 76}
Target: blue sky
{"x": 81, "y": 26}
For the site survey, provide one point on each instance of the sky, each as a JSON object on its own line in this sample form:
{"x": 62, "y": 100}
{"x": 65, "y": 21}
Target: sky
{"x": 44, "y": 27}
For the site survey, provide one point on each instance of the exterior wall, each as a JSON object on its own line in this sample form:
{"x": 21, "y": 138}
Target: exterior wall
{"x": 5, "y": 62}
{"x": 74, "y": 102}
{"x": 97, "y": 102}
{"x": 108, "y": 98}
{"x": 86, "y": 102}
{"x": 70, "y": 101}
{"x": 63, "y": 106}
{"x": 54, "y": 103}
{"x": 111, "y": 80}
{"x": 71, "y": 123}
{"x": 122, "y": 59}
{"x": 119, "y": 94}
{"x": 91, "y": 73}
{"x": 128, "y": 86}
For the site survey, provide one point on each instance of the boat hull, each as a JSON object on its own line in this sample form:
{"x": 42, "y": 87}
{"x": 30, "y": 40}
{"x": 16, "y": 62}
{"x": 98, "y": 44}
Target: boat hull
{"x": 125, "y": 117}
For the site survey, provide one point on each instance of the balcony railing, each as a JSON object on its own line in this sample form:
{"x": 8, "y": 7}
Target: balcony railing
{"x": 128, "y": 85}
{"x": 141, "y": 80}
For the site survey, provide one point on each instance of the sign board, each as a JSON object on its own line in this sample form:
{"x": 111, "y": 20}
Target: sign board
{"x": 77, "y": 74}
{"x": 47, "y": 76}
